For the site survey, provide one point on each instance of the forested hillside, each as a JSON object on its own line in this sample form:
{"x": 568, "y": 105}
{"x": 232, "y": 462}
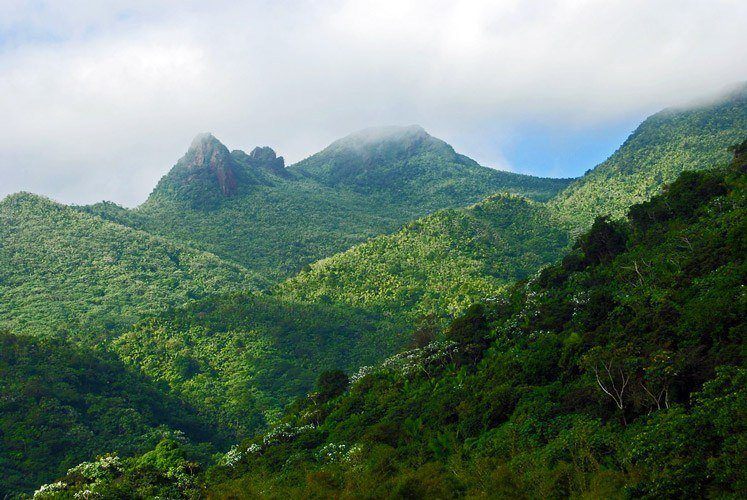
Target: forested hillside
{"x": 617, "y": 372}
{"x": 238, "y": 359}
{"x": 249, "y": 209}
{"x": 63, "y": 270}
{"x": 61, "y": 404}
{"x": 503, "y": 398}
{"x": 438, "y": 265}
{"x": 664, "y": 145}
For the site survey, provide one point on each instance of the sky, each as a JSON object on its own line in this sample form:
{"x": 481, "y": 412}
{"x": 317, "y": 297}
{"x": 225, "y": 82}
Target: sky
{"x": 98, "y": 99}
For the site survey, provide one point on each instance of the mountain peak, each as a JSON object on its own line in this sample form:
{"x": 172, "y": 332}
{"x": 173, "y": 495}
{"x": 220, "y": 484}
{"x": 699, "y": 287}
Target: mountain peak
{"x": 385, "y": 135}
{"x": 265, "y": 157}
{"x": 203, "y": 176}
{"x": 263, "y": 153}
{"x": 208, "y": 153}
{"x": 383, "y": 144}
{"x": 205, "y": 139}
{"x": 377, "y": 157}
{"x": 25, "y": 198}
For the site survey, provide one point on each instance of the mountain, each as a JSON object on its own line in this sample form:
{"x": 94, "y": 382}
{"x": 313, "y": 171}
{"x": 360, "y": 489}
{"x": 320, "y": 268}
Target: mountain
{"x": 618, "y": 372}
{"x": 407, "y": 165}
{"x": 664, "y": 145}
{"x": 273, "y": 220}
{"x": 61, "y": 404}
{"x": 436, "y": 266}
{"x": 208, "y": 173}
{"x": 61, "y": 269}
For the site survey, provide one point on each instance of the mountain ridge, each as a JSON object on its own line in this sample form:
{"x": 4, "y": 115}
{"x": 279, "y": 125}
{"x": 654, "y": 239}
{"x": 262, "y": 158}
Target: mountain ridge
{"x": 689, "y": 137}
{"x": 272, "y": 219}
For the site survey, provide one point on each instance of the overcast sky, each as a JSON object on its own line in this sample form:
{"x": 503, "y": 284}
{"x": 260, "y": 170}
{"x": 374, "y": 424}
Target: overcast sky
{"x": 99, "y": 99}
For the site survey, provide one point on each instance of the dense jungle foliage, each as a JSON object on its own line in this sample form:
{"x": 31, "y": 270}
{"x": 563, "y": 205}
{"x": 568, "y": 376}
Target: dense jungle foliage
{"x": 63, "y": 270}
{"x": 249, "y": 209}
{"x": 61, "y": 404}
{"x": 238, "y": 359}
{"x": 618, "y": 372}
{"x": 520, "y": 414}
{"x": 438, "y": 265}
{"x": 663, "y": 146}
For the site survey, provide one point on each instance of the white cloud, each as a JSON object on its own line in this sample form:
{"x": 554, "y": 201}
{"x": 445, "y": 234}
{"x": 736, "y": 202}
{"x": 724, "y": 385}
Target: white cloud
{"x": 98, "y": 99}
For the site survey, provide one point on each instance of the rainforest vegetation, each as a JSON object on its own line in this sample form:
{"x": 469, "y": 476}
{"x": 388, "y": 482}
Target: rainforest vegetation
{"x": 617, "y": 372}
{"x": 386, "y": 318}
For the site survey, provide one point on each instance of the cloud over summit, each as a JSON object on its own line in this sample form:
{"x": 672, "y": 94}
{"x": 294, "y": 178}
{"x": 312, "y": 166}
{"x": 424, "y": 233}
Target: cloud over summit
{"x": 99, "y": 100}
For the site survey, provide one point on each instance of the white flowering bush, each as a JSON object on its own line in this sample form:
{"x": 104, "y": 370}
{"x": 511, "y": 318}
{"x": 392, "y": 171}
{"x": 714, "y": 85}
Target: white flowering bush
{"x": 47, "y": 490}
{"x": 103, "y": 467}
{"x": 354, "y": 455}
{"x": 332, "y": 452}
{"x": 284, "y": 433}
{"x": 280, "y": 434}
{"x": 87, "y": 494}
{"x": 362, "y": 372}
{"x": 421, "y": 360}
{"x": 232, "y": 456}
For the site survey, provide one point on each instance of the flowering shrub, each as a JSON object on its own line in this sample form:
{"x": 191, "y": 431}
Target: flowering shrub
{"x": 233, "y": 456}
{"x": 103, "y": 467}
{"x": 362, "y": 372}
{"x": 285, "y": 433}
{"x": 47, "y": 490}
{"x": 86, "y": 494}
{"x": 332, "y": 452}
{"x": 421, "y": 360}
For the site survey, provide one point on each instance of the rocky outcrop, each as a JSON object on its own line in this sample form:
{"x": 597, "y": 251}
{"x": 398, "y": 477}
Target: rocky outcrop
{"x": 208, "y": 154}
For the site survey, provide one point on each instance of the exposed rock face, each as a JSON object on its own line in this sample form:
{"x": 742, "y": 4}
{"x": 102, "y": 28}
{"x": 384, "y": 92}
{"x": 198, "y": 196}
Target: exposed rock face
{"x": 262, "y": 158}
{"x": 208, "y": 173}
{"x": 208, "y": 154}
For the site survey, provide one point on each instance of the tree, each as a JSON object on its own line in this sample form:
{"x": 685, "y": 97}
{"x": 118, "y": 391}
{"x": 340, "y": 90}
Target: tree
{"x": 613, "y": 369}
{"x": 658, "y": 375}
{"x": 471, "y": 327}
{"x": 331, "y": 384}
{"x": 603, "y": 241}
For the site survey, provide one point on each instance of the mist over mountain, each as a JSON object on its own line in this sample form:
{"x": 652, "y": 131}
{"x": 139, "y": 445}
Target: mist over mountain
{"x": 691, "y": 137}
{"x": 248, "y": 209}
{"x": 373, "y": 249}
{"x": 243, "y": 295}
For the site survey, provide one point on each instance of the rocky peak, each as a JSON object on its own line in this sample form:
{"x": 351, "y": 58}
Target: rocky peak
{"x": 208, "y": 154}
{"x": 264, "y": 153}
{"x": 263, "y": 158}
